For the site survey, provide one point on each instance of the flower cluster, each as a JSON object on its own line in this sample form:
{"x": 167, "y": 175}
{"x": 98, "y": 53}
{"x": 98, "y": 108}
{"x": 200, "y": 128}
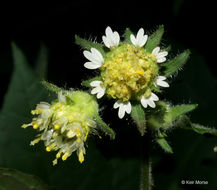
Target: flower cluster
{"x": 128, "y": 70}
{"x": 65, "y": 124}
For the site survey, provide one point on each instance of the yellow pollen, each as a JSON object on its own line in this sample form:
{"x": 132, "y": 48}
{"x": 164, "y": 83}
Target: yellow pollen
{"x": 80, "y": 156}
{"x": 56, "y": 126}
{"x": 65, "y": 156}
{"x": 54, "y": 162}
{"x": 50, "y": 147}
{"x": 87, "y": 131}
{"x": 58, "y": 155}
{"x": 36, "y": 111}
{"x": 152, "y": 55}
{"x": 24, "y": 126}
{"x": 140, "y": 72}
{"x": 35, "y": 126}
{"x": 35, "y": 141}
{"x": 78, "y": 132}
{"x": 70, "y": 118}
{"x": 148, "y": 93}
{"x": 128, "y": 71}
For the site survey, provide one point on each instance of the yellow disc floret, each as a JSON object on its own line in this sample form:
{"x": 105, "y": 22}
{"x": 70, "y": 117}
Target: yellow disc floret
{"x": 128, "y": 71}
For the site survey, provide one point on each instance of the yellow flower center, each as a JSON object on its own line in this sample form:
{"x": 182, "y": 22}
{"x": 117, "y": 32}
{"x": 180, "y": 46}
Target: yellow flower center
{"x": 128, "y": 71}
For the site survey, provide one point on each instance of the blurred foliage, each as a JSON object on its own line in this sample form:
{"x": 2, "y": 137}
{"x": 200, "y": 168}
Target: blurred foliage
{"x": 11, "y": 179}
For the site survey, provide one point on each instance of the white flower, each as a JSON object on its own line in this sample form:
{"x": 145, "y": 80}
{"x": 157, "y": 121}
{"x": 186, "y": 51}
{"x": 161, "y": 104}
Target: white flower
{"x": 111, "y": 39}
{"x": 123, "y": 107}
{"x": 140, "y": 38}
{"x": 99, "y": 88}
{"x": 161, "y": 56}
{"x": 149, "y": 101}
{"x": 160, "y": 81}
{"x": 95, "y": 58}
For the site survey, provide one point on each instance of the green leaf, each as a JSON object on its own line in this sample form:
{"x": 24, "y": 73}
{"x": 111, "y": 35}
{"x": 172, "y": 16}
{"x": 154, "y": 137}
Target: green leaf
{"x": 138, "y": 115}
{"x": 193, "y": 156}
{"x": 86, "y": 83}
{"x": 24, "y": 92}
{"x": 175, "y": 64}
{"x": 42, "y": 62}
{"x": 185, "y": 123}
{"x": 164, "y": 145}
{"x": 12, "y": 179}
{"x": 127, "y": 34}
{"x": 104, "y": 127}
{"x": 156, "y": 89}
{"x": 174, "y": 112}
{"x": 86, "y": 44}
{"x": 203, "y": 130}
{"x": 154, "y": 40}
{"x": 51, "y": 87}
{"x": 24, "y": 86}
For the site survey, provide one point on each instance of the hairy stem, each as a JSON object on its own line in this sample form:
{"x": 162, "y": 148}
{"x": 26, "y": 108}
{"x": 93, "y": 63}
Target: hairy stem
{"x": 146, "y": 176}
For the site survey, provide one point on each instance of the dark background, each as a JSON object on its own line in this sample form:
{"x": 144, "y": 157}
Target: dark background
{"x": 188, "y": 25}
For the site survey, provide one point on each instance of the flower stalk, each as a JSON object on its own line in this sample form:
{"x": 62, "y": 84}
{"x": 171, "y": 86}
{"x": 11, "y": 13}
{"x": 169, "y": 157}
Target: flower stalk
{"x": 146, "y": 167}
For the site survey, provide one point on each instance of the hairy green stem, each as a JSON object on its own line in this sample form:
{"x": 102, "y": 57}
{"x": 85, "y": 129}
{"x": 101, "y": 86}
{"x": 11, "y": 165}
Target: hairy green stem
{"x": 146, "y": 176}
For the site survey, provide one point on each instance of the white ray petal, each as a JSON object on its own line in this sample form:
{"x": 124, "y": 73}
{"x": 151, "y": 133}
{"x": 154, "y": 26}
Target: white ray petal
{"x": 143, "y": 41}
{"x": 161, "y": 78}
{"x": 162, "y": 54}
{"x": 121, "y": 111}
{"x": 151, "y": 103}
{"x": 99, "y": 89}
{"x": 111, "y": 38}
{"x": 91, "y": 65}
{"x": 116, "y": 38}
{"x": 95, "y": 83}
{"x": 95, "y": 90}
{"x": 133, "y": 39}
{"x": 97, "y": 55}
{"x": 106, "y": 41}
{"x": 162, "y": 83}
{"x": 144, "y": 102}
{"x": 128, "y": 107}
{"x": 140, "y": 34}
{"x": 156, "y": 50}
{"x": 100, "y": 94}
{"x": 154, "y": 97}
{"x": 161, "y": 60}
{"x": 89, "y": 56}
{"x": 116, "y": 105}
{"x": 108, "y": 32}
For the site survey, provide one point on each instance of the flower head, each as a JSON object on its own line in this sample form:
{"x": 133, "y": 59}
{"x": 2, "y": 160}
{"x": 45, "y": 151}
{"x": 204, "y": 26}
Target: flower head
{"x": 65, "y": 124}
{"x": 128, "y": 70}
